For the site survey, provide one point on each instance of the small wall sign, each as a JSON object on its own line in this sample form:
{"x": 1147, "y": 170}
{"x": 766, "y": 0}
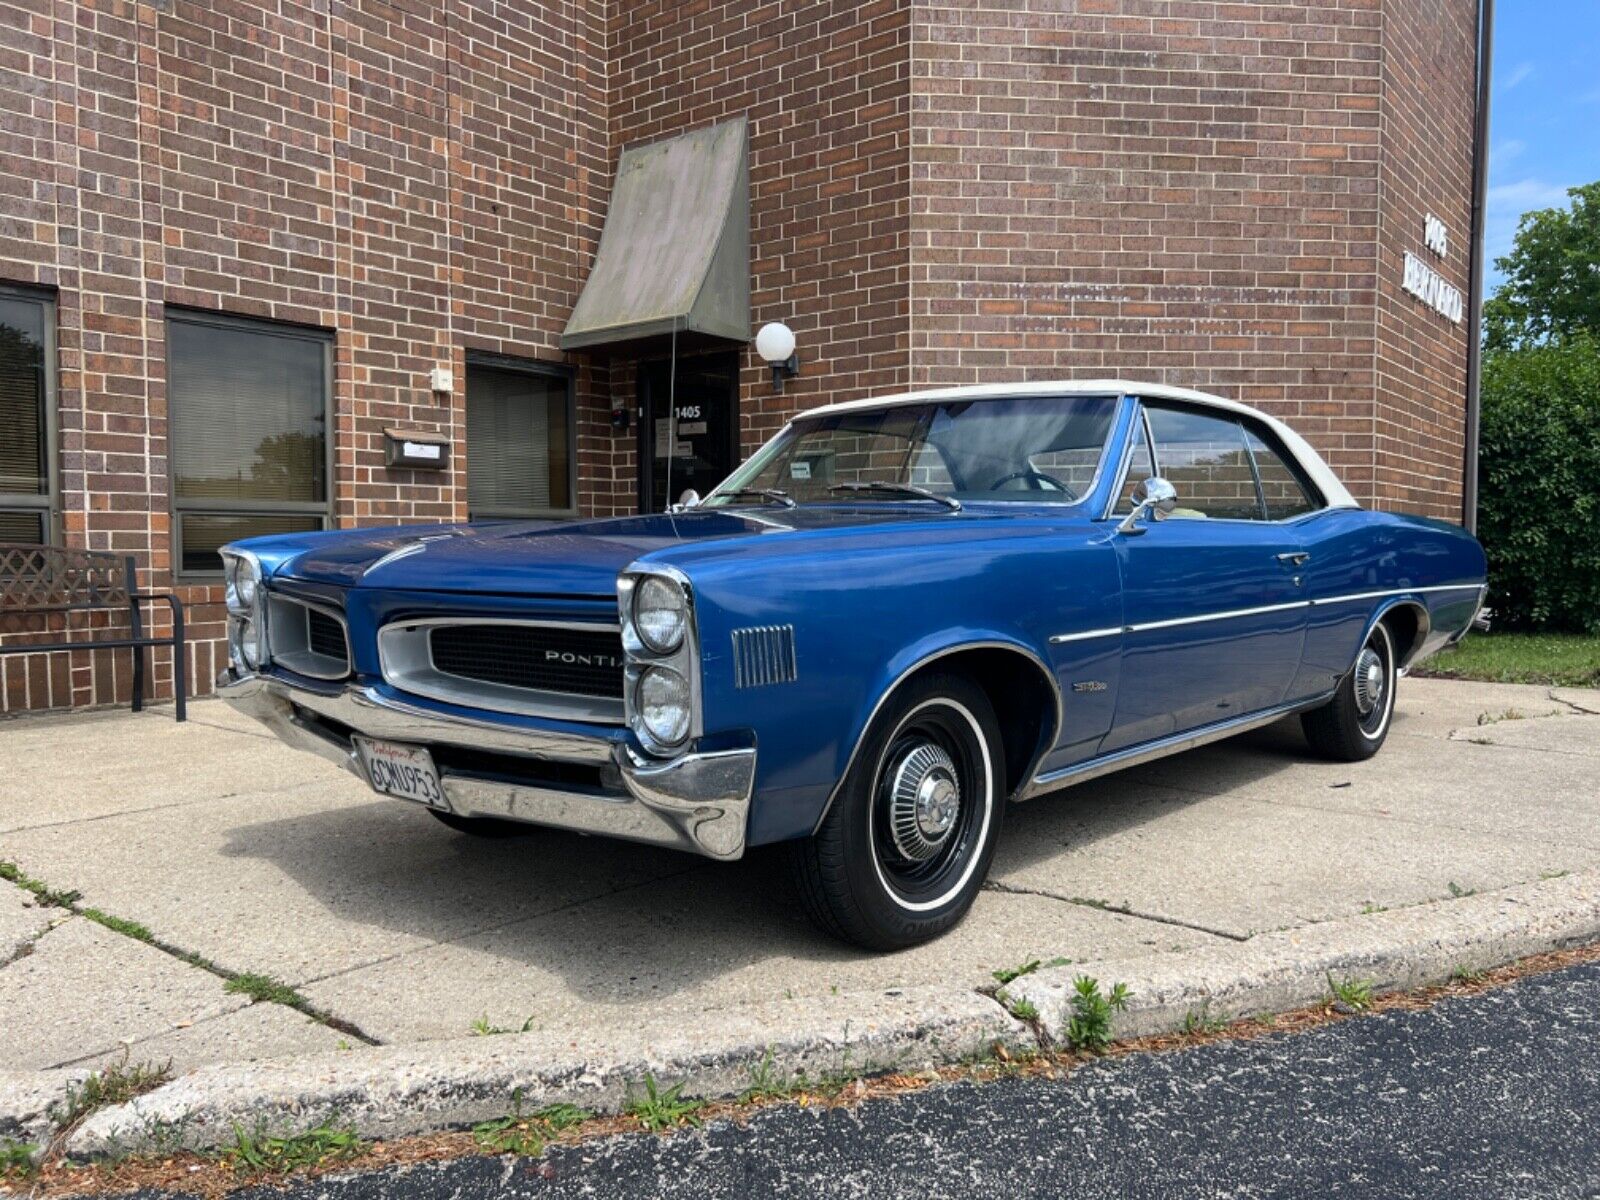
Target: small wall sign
{"x": 418, "y": 449}
{"x": 1425, "y": 283}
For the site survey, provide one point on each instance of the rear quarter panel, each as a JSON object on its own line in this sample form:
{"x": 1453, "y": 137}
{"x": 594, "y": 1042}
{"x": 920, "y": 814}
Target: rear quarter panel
{"x": 1362, "y": 563}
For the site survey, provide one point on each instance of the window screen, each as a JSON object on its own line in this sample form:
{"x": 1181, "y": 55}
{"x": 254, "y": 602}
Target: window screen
{"x": 249, "y": 404}
{"x": 518, "y": 442}
{"x": 1281, "y": 490}
{"x": 1206, "y": 459}
{"x": 26, "y": 458}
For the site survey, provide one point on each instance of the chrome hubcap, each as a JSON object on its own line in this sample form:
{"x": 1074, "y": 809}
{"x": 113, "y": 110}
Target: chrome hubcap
{"x": 1369, "y": 681}
{"x": 924, "y": 801}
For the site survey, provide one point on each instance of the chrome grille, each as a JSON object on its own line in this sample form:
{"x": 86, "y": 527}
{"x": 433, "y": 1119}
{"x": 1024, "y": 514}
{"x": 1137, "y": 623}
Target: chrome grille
{"x": 324, "y": 633}
{"x": 546, "y": 658}
{"x": 762, "y": 655}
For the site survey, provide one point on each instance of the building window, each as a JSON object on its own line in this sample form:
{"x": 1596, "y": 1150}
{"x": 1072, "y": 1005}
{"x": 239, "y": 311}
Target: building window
{"x": 521, "y": 440}
{"x": 248, "y": 415}
{"x": 27, "y": 416}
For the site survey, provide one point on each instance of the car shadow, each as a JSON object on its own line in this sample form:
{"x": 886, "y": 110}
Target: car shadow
{"x": 622, "y": 922}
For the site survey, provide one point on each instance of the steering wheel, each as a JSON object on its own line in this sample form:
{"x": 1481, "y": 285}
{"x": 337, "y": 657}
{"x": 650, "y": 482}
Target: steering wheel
{"x": 1038, "y": 479}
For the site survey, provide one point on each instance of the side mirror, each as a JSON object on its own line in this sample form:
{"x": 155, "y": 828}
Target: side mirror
{"x": 689, "y": 499}
{"x": 1155, "y": 498}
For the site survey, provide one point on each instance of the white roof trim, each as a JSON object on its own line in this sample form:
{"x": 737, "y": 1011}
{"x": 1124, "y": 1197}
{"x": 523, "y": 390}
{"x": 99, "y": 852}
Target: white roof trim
{"x": 1310, "y": 461}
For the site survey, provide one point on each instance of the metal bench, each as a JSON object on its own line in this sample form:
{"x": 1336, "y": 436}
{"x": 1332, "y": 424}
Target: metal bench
{"x": 39, "y": 580}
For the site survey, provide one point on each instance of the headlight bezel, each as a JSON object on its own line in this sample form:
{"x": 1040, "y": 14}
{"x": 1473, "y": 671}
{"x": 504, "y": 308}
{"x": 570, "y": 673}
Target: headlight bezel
{"x": 646, "y": 585}
{"x": 641, "y": 656}
{"x": 244, "y": 615}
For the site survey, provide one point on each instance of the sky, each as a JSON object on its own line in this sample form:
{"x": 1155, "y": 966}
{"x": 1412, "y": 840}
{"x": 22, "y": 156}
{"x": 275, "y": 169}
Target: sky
{"x": 1544, "y": 119}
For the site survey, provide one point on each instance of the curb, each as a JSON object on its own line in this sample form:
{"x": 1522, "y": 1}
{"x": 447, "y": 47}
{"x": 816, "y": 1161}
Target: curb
{"x": 393, "y": 1091}
{"x": 1289, "y": 969}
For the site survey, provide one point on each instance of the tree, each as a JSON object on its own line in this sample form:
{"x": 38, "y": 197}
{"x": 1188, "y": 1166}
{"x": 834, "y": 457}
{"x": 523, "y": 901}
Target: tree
{"x": 1539, "y": 506}
{"x": 1552, "y": 277}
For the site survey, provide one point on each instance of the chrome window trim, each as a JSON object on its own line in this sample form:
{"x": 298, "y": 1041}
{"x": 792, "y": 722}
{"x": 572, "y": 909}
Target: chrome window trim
{"x": 1232, "y": 613}
{"x": 305, "y": 662}
{"x": 407, "y": 670}
{"x": 1319, "y": 507}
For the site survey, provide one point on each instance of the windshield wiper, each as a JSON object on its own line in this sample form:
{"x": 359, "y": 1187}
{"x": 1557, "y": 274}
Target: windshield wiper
{"x": 772, "y": 494}
{"x": 899, "y": 489}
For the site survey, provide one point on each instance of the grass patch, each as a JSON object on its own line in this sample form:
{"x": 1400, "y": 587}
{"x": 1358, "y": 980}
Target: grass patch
{"x": 42, "y": 892}
{"x": 1007, "y": 975}
{"x": 1551, "y": 659}
{"x": 482, "y": 1028}
{"x": 117, "y": 1084}
{"x": 17, "y": 1160}
{"x": 255, "y": 1152}
{"x": 1200, "y": 1020}
{"x": 1089, "y": 1026}
{"x": 527, "y": 1133}
{"x": 1354, "y": 994}
{"x": 264, "y": 989}
{"x": 659, "y": 1110}
{"x": 122, "y": 925}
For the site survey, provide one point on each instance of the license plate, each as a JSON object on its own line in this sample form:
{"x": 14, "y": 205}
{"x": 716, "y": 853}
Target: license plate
{"x": 403, "y": 771}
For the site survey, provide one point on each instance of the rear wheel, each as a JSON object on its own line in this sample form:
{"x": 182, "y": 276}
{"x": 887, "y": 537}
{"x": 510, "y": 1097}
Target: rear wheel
{"x": 904, "y": 849}
{"x": 1352, "y": 725}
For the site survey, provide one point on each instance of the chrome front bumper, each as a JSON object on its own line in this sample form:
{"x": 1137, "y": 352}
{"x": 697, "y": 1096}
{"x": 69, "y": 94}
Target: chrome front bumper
{"x": 696, "y": 802}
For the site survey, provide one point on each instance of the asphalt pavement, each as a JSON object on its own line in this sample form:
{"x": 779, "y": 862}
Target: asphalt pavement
{"x": 1492, "y": 1095}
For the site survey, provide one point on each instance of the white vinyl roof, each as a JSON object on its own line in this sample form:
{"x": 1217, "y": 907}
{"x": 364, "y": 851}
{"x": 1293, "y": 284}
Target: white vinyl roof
{"x": 1310, "y": 461}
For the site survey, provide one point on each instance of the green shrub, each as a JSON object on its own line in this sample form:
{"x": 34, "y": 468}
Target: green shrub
{"x": 1539, "y": 486}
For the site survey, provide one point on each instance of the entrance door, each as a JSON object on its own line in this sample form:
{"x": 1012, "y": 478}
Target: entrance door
{"x": 707, "y": 449}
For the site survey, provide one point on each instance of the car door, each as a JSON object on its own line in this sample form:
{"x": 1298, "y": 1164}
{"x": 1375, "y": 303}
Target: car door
{"x": 1214, "y": 611}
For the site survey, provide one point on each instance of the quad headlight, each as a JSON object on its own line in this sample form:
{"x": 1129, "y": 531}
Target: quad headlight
{"x": 661, "y": 696}
{"x": 663, "y": 702}
{"x": 660, "y": 614}
{"x": 241, "y": 573}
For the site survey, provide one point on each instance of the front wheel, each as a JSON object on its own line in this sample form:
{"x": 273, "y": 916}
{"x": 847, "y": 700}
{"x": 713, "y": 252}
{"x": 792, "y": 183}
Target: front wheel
{"x": 1352, "y": 725}
{"x": 904, "y": 849}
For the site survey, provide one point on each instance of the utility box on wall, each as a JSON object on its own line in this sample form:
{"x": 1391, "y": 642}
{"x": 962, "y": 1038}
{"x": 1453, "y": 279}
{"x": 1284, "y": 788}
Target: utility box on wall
{"x": 416, "y": 449}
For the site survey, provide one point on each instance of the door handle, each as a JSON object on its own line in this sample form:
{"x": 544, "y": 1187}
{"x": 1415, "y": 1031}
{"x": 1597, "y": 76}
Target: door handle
{"x": 1295, "y": 558}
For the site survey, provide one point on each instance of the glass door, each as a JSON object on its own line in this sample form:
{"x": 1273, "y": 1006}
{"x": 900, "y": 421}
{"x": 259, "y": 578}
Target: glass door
{"x": 706, "y": 448}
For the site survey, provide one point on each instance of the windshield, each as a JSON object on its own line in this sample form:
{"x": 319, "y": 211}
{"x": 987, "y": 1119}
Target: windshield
{"x": 1038, "y": 449}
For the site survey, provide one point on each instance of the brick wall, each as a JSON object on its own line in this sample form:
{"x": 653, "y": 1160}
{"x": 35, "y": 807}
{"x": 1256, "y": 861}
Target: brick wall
{"x": 826, "y": 89}
{"x": 416, "y": 178}
{"x": 1206, "y": 193}
{"x": 1180, "y": 192}
{"x": 1426, "y": 168}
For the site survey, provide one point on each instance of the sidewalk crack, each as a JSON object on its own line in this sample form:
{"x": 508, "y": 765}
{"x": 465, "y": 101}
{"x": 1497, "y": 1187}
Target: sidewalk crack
{"x": 993, "y": 885}
{"x": 1572, "y": 704}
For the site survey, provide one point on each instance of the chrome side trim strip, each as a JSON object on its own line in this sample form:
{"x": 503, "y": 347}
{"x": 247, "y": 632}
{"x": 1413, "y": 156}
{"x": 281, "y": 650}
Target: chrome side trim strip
{"x": 1177, "y": 743}
{"x": 1087, "y": 635}
{"x": 1230, "y": 614}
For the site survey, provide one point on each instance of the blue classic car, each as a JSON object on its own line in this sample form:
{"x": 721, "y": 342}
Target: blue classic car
{"x": 896, "y": 616}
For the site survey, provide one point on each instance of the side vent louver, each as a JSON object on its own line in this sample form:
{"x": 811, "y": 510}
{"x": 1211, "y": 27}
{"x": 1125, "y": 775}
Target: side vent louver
{"x": 763, "y": 654}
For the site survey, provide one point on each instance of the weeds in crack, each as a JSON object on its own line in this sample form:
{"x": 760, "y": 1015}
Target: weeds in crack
{"x": 1089, "y": 1026}
{"x": 116, "y": 1084}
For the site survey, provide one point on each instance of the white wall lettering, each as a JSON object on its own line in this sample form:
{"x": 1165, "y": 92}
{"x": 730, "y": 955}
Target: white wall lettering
{"x": 1427, "y": 285}
{"x": 1435, "y": 236}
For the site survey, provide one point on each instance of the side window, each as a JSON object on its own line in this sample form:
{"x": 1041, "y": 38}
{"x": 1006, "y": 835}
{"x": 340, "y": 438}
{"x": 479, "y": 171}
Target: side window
{"x": 1281, "y": 488}
{"x": 27, "y": 416}
{"x": 1206, "y": 459}
{"x": 1140, "y": 468}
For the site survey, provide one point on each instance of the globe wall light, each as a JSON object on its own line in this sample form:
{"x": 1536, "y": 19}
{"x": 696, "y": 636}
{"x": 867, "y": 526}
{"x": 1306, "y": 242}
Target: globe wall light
{"x": 775, "y": 345}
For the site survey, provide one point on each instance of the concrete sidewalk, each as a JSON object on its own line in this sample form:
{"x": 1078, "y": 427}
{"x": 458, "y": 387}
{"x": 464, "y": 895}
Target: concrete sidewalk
{"x": 239, "y": 856}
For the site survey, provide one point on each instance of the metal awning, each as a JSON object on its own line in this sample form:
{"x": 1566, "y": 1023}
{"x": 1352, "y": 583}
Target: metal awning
{"x": 675, "y": 251}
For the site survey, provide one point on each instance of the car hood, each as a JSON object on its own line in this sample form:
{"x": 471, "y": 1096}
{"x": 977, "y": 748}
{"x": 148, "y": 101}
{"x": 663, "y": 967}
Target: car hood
{"x": 541, "y": 557}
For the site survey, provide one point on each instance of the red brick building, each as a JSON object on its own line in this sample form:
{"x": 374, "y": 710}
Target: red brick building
{"x": 244, "y": 243}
